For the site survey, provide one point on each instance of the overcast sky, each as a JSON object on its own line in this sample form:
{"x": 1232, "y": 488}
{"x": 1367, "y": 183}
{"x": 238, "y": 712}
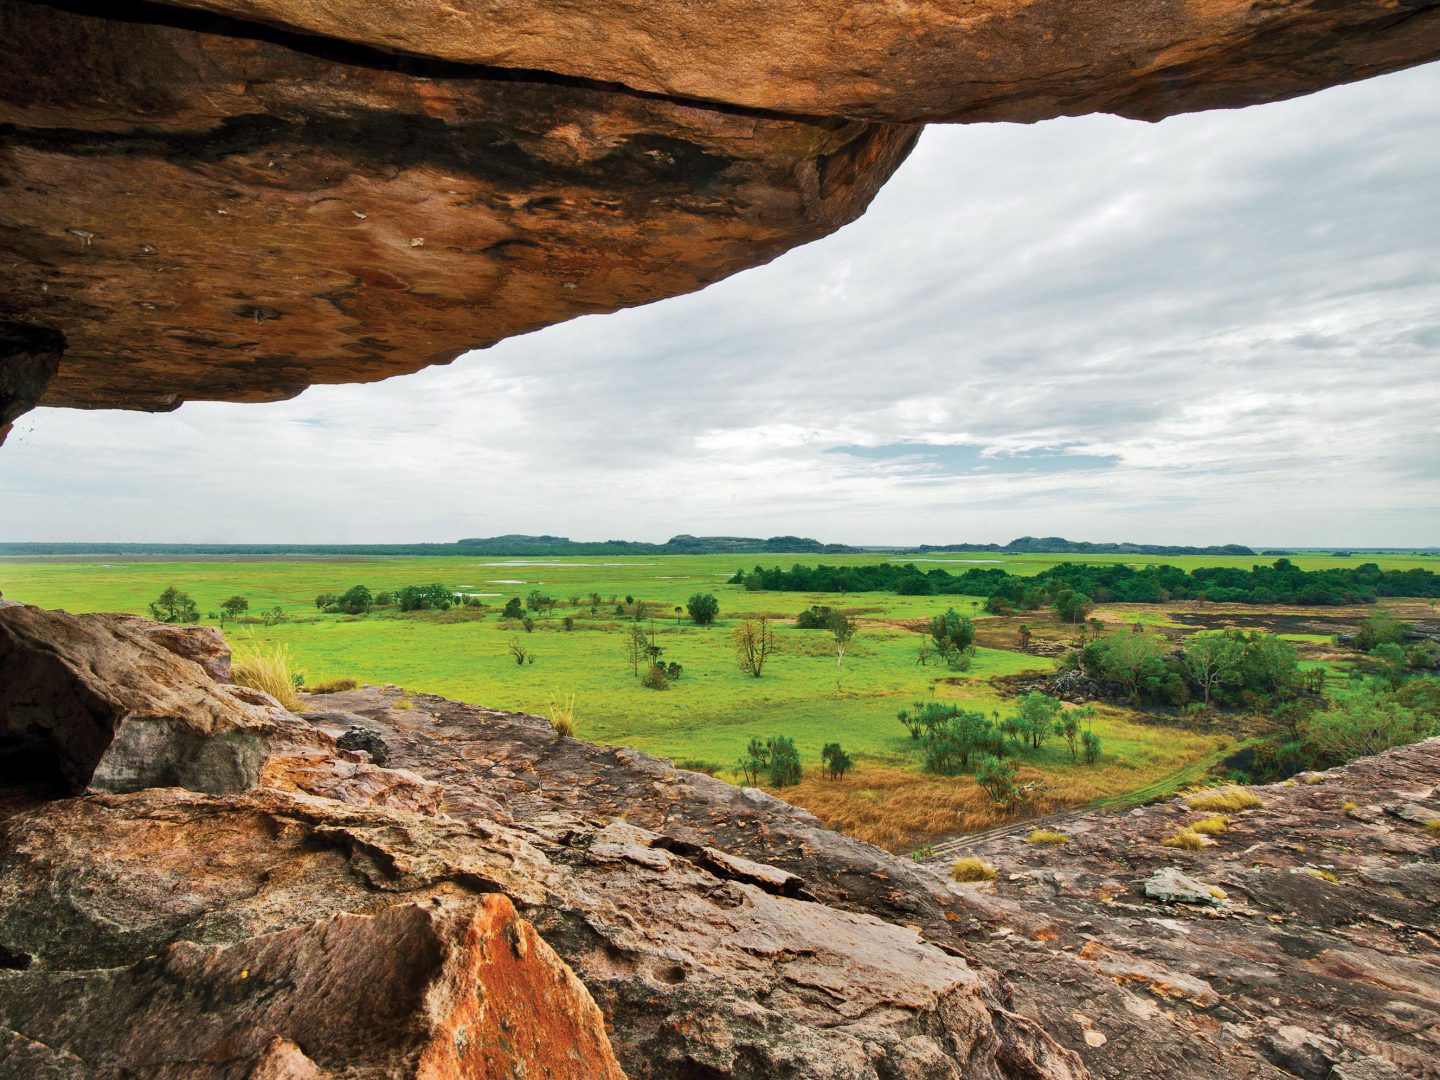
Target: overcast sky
{"x": 1220, "y": 328}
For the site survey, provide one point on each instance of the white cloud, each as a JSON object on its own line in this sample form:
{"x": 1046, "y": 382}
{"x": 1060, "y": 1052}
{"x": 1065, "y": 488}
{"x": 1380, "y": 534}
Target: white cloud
{"x": 1242, "y": 307}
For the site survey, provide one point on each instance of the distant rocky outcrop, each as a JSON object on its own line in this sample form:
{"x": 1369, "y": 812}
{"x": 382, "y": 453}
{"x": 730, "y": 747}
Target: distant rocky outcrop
{"x": 342, "y": 916}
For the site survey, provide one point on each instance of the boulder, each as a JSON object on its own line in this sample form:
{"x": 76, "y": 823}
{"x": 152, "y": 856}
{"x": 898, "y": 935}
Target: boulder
{"x": 1172, "y": 886}
{"x": 89, "y": 701}
{"x": 431, "y": 992}
{"x": 206, "y": 645}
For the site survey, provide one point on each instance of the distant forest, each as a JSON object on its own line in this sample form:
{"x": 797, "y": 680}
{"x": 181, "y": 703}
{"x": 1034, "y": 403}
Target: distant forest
{"x": 1058, "y": 545}
{"x": 1280, "y": 583}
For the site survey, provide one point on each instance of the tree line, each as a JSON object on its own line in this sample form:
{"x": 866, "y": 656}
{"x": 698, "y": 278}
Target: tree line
{"x": 1281, "y": 582}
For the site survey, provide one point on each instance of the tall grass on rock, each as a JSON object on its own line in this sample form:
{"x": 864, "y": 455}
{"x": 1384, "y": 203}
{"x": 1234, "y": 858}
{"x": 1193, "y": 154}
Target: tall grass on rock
{"x": 1230, "y": 799}
{"x": 562, "y": 715}
{"x": 267, "y": 670}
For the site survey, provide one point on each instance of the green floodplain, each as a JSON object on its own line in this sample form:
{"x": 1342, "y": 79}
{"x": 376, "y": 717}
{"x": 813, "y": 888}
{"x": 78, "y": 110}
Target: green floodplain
{"x": 707, "y": 716}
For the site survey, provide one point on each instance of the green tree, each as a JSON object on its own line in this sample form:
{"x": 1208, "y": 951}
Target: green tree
{"x": 837, "y": 762}
{"x": 356, "y": 601}
{"x": 952, "y": 631}
{"x": 1382, "y": 628}
{"x": 1213, "y": 660}
{"x": 233, "y": 607}
{"x": 952, "y": 736}
{"x": 703, "y": 609}
{"x": 843, "y": 628}
{"x": 1362, "y": 723}
{"x": 174, "y": 606}
{"x": 1071, "y": 606}
{"x": 755, "y": 760}
{"x": 1091, "y": 742}
{"x": 1034, "y": 721}
{"x": 1127, "y": 658}
{"x": 513, "y": 609}
{"x": 324, "y": 600}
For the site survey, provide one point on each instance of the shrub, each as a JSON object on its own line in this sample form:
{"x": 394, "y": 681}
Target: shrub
{"x": 529, "y": 624}
{"x": 269, "y": 672}
{"x": 754, "y": 642}
{"x": 655, "y": 678}
{"x": 837, "y": 761}
{"x": 703, "y": 608}
{"x": 1224, "y": 798}
{"x": 1211, "y": 826}
{"x": 1047, "y": 836}
{"x": 972, "y": 870}
{"x": 1188, "y": 839}
{"x": 568, "y": 622}
{"x": 519, "y": 653}
{"x": 513, "y": 609}
{"x": 334, "y": 686}
{"x": 997, "y": 777}
{"x": 1091, "y": 742}
{"x": 356, "y": 601}
{"x": 562, "y": 716}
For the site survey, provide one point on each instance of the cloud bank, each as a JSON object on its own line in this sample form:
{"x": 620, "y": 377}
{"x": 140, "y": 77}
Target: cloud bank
{"x": 1220, "y": 328}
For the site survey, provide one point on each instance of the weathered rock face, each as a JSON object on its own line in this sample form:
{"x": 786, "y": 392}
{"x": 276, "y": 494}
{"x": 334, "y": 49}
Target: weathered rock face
{"x": 199, "y": 207}
{"x": 1319, "y": 952}
{"x": 89, "y": 701}
{"x": 214, "y": 212}
{"x": 436, "y": 992}
{"x": 721, "y": 933}
{"x": 988, "y": 60}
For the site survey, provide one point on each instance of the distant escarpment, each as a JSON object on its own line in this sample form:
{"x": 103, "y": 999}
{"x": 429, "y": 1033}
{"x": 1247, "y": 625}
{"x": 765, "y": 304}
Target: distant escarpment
{"x": 494, "y": 900}
{"x": 236, "y": 199}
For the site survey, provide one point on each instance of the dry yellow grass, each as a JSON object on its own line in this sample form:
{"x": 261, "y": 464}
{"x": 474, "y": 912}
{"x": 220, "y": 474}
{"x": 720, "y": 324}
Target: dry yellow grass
{"x": 562, "y": 715}
{"x": 1314, "y": 778}
{"x": 1047, "y": 836}
{"x": 1324, "y": 875}
{"x": 1217, "y": 892}
{"x": 269, "y": 671}
{"x": 1347, "y": 806}
{"x": 1211, "y": 826}
{"x": 1433, "y": 827}
{"x": 1185, "y": 838}
{"x": 973, "y": 870}
{"x": 1231, "y": 798}
{"x": 333, "y": 686}
{"x": 404, "y": 704}
{"x": 899, "y": 809}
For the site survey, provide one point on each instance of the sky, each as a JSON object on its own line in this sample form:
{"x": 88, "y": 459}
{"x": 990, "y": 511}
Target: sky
{"x": 1222, "y": 328}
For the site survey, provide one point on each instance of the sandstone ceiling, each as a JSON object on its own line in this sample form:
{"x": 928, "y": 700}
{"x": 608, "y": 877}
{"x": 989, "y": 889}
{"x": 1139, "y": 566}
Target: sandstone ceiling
{"x": 238, "y": 202}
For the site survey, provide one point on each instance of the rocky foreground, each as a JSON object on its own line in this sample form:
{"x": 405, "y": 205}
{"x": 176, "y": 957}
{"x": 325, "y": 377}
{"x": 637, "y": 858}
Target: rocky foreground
{"x": 397, "y": 885}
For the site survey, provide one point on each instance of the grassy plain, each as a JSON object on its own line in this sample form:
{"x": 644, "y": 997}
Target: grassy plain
{"x": 707, "y": 716}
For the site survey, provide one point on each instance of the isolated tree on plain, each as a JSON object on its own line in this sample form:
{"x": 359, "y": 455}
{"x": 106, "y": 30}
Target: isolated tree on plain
{"x": 1213, "y": 660}
{"x": 837, "y": 762}
{"x": 513, "y": 609}
{"x": 843, "y": 628}
{"x": 174, "y": 606}
{"x": 233, "y": 608}
{"x": 1022, "y": 637}
{"x": 954, "y": 636}
{"x": 754, "y": 643}
{"x": 703, "y": 608}
{"x": 636, "y": 647}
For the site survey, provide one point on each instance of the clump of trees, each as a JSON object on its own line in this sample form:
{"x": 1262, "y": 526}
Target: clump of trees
{"x": 954, "y": 637}
{"x": 835, "y": 760}
{"x": 174, "y": 606}
{"x": 775, "y": 759}
{"x": 1231, "y": 668}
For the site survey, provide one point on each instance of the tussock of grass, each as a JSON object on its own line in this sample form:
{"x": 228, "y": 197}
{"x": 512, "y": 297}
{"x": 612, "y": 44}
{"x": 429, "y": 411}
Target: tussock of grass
{"x": 973, "y": 870}
{"x": 1347, "y": 806}
{"x": 562, "y": 716}
{"x": 1217, "y": 892}
{"x": 1314, "y": 778}
{"x": 1324, "y": 875}
{"x": 1224, "y": 798}
{"x": 333, "y": 686}
{"x": 404, "y": 704}
{"x": 1185, "y": 838}
{"x": 1211, "y": 826}
{"x": 1047, "y": 836}
{"x": 269, "y": 671}
{"x": 1433, "y": 827}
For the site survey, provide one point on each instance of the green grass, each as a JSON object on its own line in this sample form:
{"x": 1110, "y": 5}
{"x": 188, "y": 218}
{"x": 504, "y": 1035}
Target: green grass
{"x": 707, "y": 716}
